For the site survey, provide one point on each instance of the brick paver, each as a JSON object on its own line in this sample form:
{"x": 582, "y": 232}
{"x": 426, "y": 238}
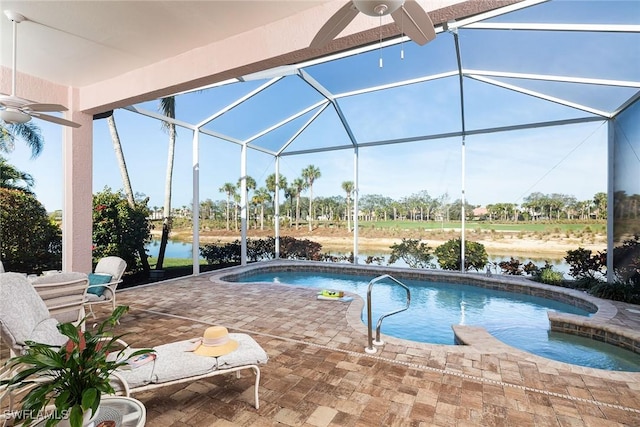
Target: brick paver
{"x": 319, "y": 375}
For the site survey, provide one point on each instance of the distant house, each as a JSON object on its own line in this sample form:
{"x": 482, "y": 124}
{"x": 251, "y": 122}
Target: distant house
{"x": 480, "y": 213}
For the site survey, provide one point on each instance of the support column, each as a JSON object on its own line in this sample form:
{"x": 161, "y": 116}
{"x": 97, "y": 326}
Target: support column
{"x": 243, "y": 205}
{"x": 356, "y": 197}
{"x": 77, "y": 220}
{"x": 276, "y": 202}
{"x": 195, "y": 209}
{"x": 611, "y": 159}
{"x": 462, "y": 210}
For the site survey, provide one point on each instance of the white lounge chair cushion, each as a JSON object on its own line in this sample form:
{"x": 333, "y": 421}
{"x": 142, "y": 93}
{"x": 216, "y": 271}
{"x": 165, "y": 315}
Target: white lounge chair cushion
{"x": 24, "y": 315}
{"x": 93, "y": 297}
{"x": 173, "y": 362}
{"x": 47, "y": 332}
{"x": 248, "y": 352}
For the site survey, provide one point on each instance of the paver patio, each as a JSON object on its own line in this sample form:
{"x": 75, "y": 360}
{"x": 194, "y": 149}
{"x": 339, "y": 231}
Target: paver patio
{"x": 319, "y": 375}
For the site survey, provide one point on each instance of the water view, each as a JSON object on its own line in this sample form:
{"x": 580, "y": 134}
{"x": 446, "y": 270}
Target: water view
{"x": 183, "y": 250}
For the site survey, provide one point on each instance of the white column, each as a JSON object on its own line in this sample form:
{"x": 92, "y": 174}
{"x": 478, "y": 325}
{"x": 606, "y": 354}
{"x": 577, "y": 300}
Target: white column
{"x": 611, "y": 151}
{"x": 77, "y": 219}
{"x": 243, "y": 205}
{"x": 276, "y": 201}
{"x": 356, "y": 197}
{"x": 195, "y": 210}
{"x": 462, "y": 210}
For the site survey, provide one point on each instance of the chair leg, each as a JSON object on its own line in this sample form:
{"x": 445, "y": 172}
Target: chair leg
{"x": 91, "y": 310}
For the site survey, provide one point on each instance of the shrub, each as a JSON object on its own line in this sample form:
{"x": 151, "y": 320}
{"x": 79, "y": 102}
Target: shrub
{"x": 513, "y": 267}
{"x": 549, "y": 276}
{"x": 413, "y": 252}
{"x": 617, "y": 291}
{"x": 262, "y": 249}
{"x": 118, "y": 229}
{"x": 29, "y": 241}
{"x": 227, "y": 253}
{"x": 626, "y": 259}
{"x": 449, "y": 255}
{"x": 583, "y": 264}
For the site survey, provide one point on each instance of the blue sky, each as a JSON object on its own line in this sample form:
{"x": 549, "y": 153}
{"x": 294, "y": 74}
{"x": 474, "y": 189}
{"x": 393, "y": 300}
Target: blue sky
{"x": 500, "y": 167}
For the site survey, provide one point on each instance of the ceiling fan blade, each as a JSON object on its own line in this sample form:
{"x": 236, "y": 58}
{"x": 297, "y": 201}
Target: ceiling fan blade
{"x": 57, "y": 120}
{"x": 334, "y": 25}
{"x": 415, "y": 22}
{"x": 47, "y": 108}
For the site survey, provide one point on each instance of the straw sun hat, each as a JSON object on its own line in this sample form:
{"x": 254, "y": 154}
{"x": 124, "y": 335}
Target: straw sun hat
{"x": 215, "y": 342}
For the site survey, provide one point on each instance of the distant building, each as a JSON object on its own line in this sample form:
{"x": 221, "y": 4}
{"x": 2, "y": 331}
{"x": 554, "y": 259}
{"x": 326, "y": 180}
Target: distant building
{"x": 480, "y": 213}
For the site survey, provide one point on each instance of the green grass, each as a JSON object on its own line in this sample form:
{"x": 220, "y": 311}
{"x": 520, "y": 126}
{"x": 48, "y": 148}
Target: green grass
{"x": 170, "y": 263}
{"x": 482, "y": 225}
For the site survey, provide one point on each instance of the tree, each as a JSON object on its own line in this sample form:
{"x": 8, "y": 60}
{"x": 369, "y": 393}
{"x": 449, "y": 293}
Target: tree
{"x": 260, "y": 197}
{"x": 347, "y": 186}
{"x": 310, "y": 174}
{"x": 168, "y": 108}
{"x": 230, "y": 190}
{"x": 290, "y": 193}
{"x": 14, "y": 179}
{"x": 29, "y": 241}
{"x": 600, "y": 204}
{"x": 250, "y": 186}
{"x": 413, "y": 252}
{"x": 297, "y": 186}
{"x": 28, "y": 132}
{"x": 126, "y": 182}
{"x": 118, "y": 229}
{"x": 475, "y": 255}
{"x": 271, "y": 186}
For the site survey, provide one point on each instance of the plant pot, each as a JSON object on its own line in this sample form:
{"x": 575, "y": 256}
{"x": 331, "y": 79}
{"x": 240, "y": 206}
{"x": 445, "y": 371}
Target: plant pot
{"x": 156, "y": 274}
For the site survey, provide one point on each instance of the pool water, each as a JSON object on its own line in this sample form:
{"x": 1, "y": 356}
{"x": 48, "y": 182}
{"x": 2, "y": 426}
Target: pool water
{"x": 516, "y": 319}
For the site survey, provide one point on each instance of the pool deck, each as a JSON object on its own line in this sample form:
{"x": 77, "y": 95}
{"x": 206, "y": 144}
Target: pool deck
{"x": 319, "y": 375}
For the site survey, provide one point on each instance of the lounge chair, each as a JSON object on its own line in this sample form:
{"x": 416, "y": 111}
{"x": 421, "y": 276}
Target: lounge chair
{"x": 64, "y": 295}
{"x": 110, "y": 269}
{"x": 24, "y": 317}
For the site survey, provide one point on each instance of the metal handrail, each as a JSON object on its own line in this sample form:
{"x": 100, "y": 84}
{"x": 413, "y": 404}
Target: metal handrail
{"x": 370, "y": 348}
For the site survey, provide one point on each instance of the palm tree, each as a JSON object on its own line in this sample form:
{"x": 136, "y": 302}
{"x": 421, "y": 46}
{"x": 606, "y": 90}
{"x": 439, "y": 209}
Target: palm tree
{"x": 250, "y": 186}
{"x": 289, "y": 193}
{"x": 260, "y": 197}
{"x": 122, "y": 164}
{"x": 230, "y": 190}
{"x": 271, "y": 186}
{"x": 14, "y": 179}
{"x": 347, "y": 186}
{"x": 297, "y": 187}
{"x": 310, "y": 174}
{"x": 168, "y": 108}
{"x": 126, "y": 182}
{"x": 28, "y": 132}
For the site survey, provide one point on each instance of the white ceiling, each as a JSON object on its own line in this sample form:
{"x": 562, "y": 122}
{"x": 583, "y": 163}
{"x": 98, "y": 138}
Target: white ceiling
{"x": 76, "y": 43}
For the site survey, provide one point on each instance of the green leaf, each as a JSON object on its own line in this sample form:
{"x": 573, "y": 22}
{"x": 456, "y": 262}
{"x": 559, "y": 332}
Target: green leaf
{"x": 76, "y": 416}
{"x": 88, "y": 398}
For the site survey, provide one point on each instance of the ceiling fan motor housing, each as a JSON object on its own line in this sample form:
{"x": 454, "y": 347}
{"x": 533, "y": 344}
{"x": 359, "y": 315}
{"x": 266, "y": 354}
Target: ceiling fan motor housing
{"x": 377, "y": 7}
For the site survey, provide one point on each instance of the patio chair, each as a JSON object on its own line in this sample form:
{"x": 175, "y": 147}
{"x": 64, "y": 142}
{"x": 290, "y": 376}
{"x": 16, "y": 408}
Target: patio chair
{"x": 104, "y": 281}
{"x": 24, "y": 317}
{"x": 64, "y": 295}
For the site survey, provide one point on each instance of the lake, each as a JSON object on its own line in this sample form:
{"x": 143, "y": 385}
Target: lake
{"x": 177, "y": 249}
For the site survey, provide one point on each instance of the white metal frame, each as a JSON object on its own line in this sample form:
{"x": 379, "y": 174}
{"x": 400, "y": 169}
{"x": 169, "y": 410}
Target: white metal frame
{"x": 484, "y": 76}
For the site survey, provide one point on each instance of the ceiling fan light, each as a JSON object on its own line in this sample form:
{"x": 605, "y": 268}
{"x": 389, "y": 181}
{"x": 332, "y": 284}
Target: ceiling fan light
{"x": 13, "y": 116}
{"x": 377, "y": 7}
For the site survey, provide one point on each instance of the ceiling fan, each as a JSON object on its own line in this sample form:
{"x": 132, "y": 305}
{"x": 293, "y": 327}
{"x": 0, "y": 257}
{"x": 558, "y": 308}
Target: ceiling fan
{"x": 14, "y": 109}
{"x": 408, "y": 15}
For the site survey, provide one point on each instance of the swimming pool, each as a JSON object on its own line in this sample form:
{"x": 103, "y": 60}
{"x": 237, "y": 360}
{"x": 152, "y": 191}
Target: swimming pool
{"x": 519, "y": 320}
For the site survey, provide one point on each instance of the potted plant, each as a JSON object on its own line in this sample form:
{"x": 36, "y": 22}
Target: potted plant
{"x": 72, "y": 377}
